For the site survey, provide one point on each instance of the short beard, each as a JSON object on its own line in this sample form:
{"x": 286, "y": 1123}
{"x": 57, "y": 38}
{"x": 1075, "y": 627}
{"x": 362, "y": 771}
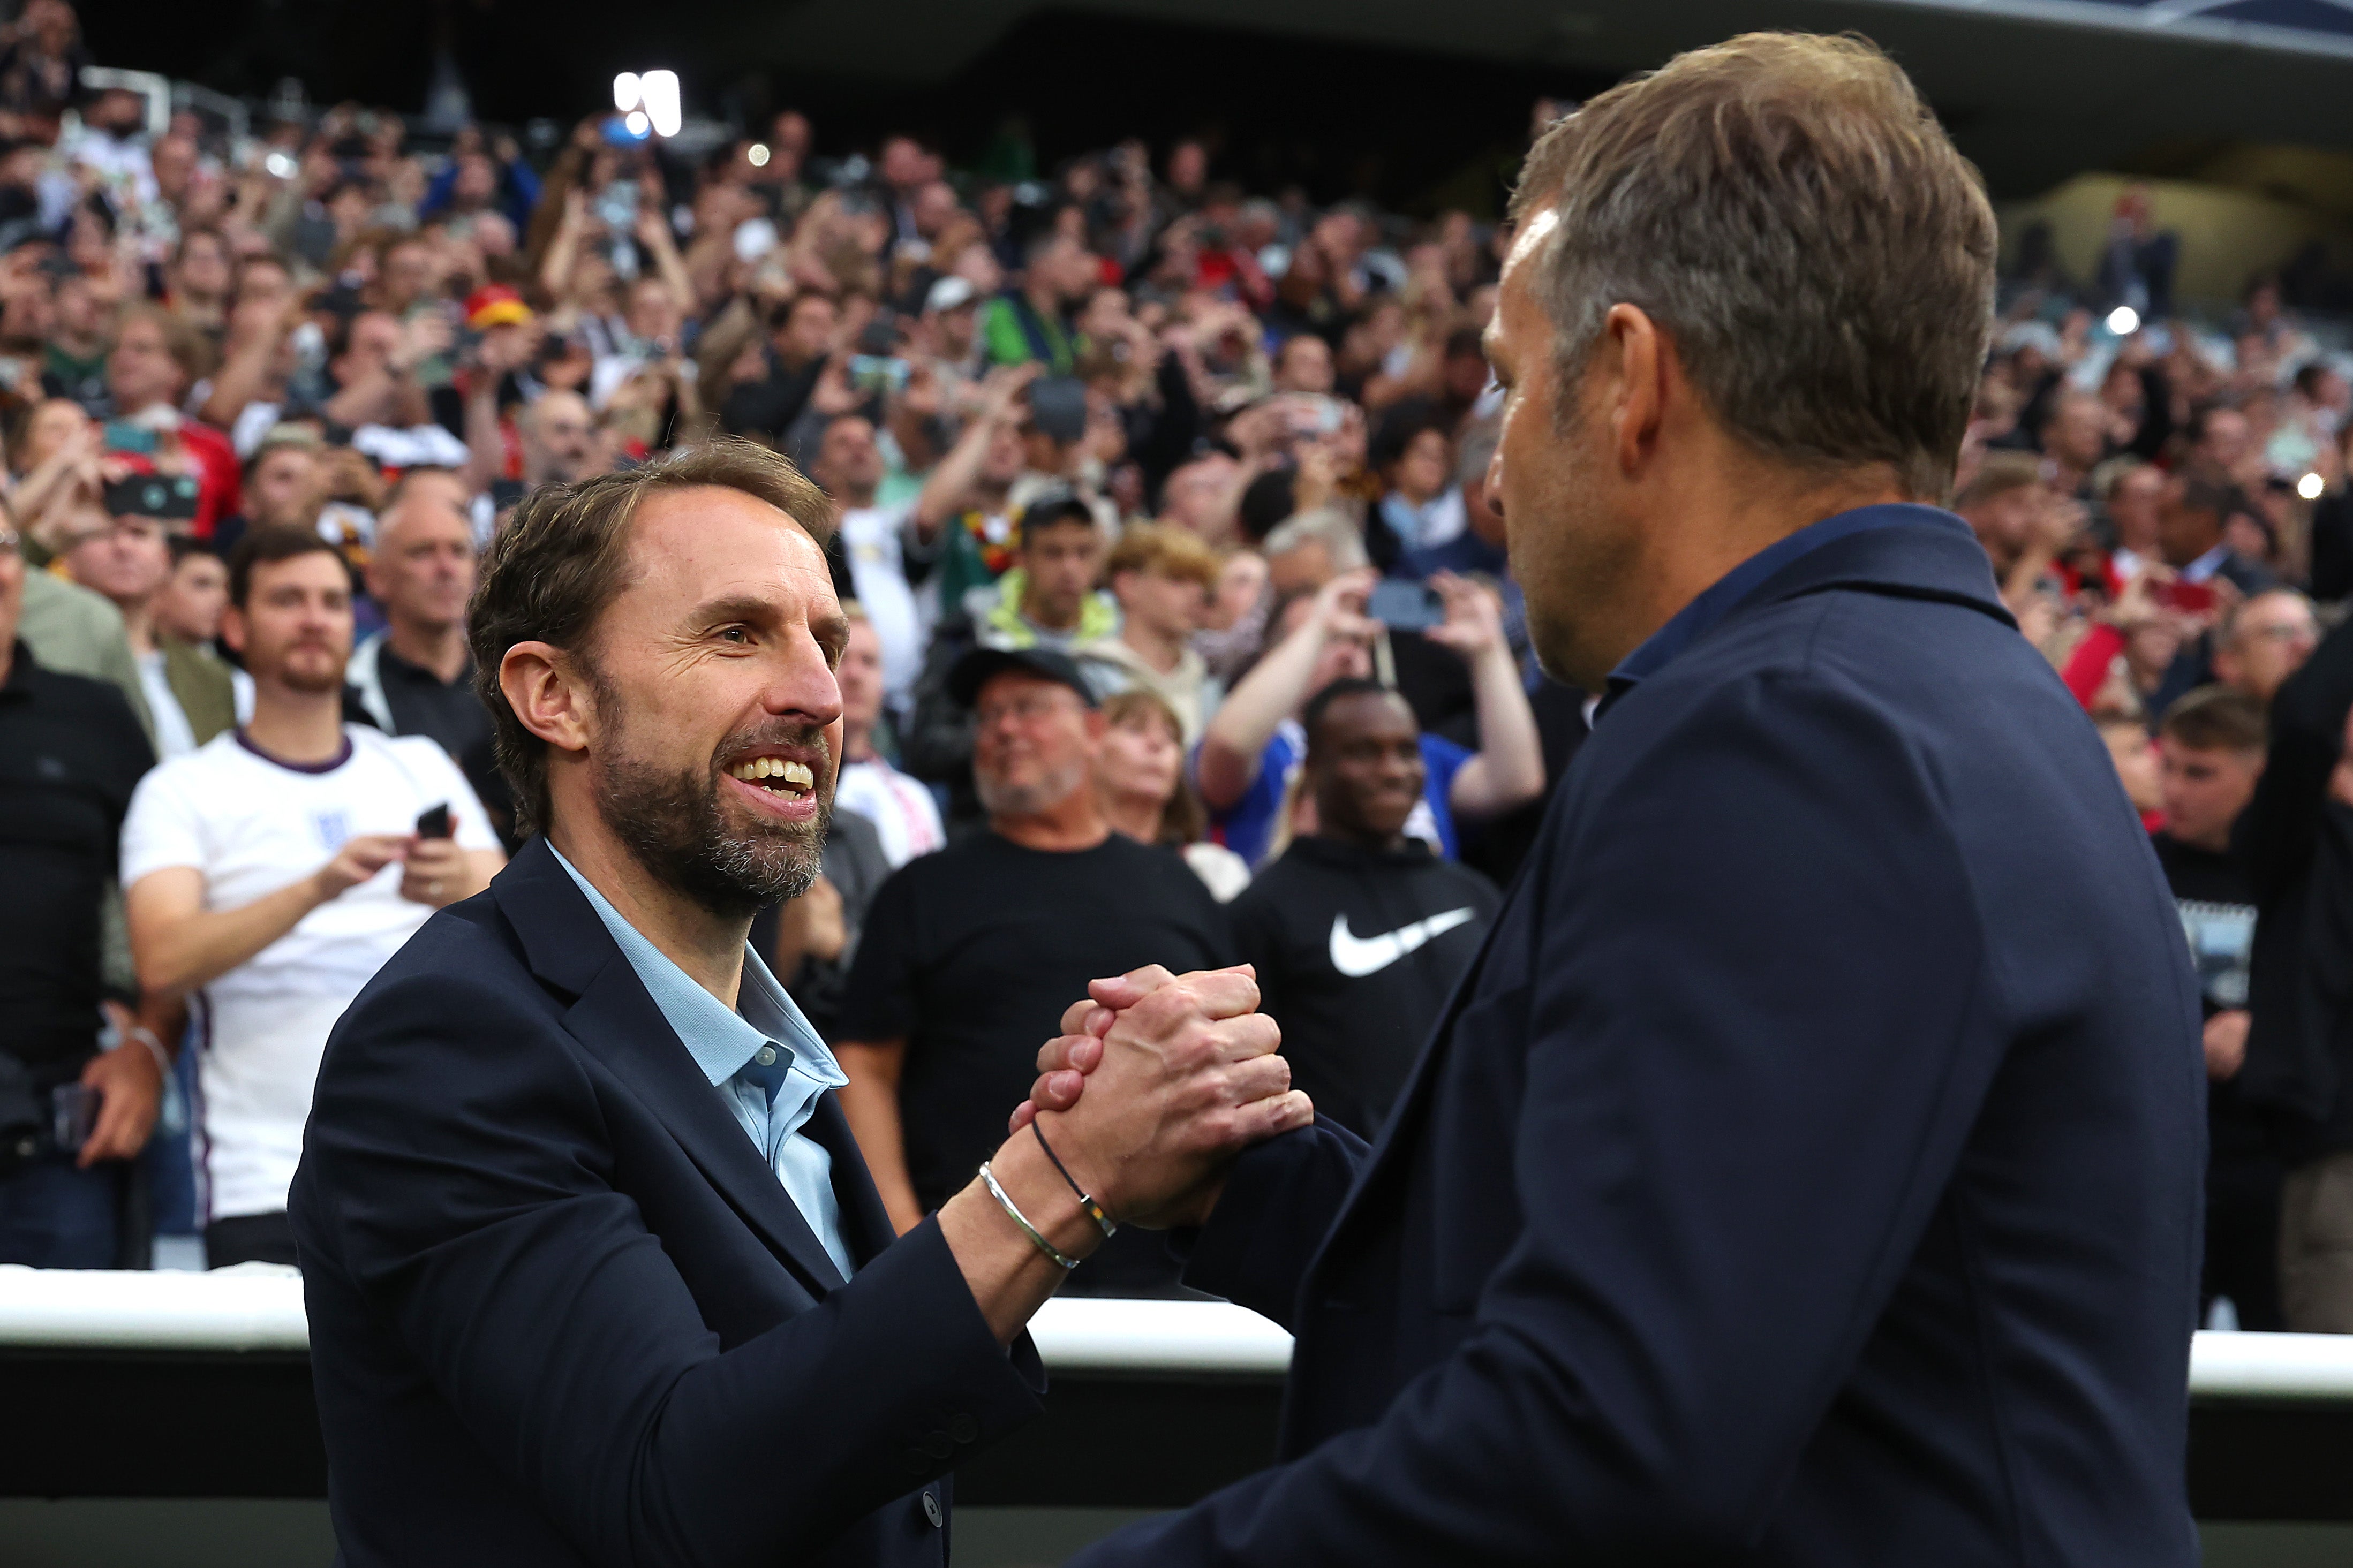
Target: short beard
{"x": 673, "y": 823}
{"x": 1027, "y": 800}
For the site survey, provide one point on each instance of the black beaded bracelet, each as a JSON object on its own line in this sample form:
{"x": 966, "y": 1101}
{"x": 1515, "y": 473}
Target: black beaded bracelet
{"x": 1094, "y": 1211}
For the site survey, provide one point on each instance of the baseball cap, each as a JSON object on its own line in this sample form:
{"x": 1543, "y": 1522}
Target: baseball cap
{"x": 982, "y": 665}
{"x": 947, "y": 294}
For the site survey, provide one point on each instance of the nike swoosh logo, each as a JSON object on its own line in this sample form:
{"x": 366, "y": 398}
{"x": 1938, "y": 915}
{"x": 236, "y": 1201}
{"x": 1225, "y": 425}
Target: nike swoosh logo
{"x": 1357, "y": 956}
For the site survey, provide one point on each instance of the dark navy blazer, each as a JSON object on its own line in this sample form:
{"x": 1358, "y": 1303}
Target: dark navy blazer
{"x": 1807, "y": 1172}
{"x": 562, "y": 1311}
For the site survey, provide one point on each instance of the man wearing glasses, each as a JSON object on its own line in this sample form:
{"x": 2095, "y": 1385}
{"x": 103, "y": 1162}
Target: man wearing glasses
{"x": 970, "y": 956}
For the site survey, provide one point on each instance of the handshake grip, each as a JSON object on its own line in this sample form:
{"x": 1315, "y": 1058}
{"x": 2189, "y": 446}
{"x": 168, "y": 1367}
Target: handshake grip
{"x": 1157, "y": 1082}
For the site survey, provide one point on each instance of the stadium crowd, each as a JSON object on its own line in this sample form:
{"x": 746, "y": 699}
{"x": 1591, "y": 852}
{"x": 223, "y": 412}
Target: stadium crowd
{"x": 1182, "y": 628}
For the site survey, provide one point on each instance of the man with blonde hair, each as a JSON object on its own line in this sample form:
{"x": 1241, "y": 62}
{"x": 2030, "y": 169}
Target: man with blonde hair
{"x": 1808, "y": 1169}
{"x": 1161, "y": 577}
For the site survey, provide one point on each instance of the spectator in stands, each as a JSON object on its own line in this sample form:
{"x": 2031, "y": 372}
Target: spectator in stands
{"x": 1358, "y": 931}
{"x": 812, "y": 941}
{"x": 900, "y": 809}
{"x": 1249, "y": 757}
{"x": 2211, "y": 752}
{"x": 1046, "y": 600}
{"x": 2075, "y": 442}
{"x": 1034, "y": 324}
{"x": 70, "y": 752}
{"x": 970, "y": 956}
{"x": 1161, "y": 580}
{"x": 40, "y": 71}
{"x": 2264, "y": 641}
{"x": 74, "y": 364}
{"x": 2017, "y": 523}
{"x": 1304, "y": 364}
{"x": 189, "y": 698}
{"x": 2134, "y": 495}
{"x": 76, "y": 631}
{"x": 878, "y": 544}
{"x": 2189, "y": 536}
{"x": 276, "y": 867}
{"x": 155, "y": 359}
{"x": 970, "y": 493}
{"x": 189, "y": 608}
{"x": 1140, "y": 781}
{"x": 558, "y": 433}
{"x": 416, "y": 677}
{"x": 767, "y": 391}
{"x": 1423, "y": 509}
{"x": 286, "y": 483}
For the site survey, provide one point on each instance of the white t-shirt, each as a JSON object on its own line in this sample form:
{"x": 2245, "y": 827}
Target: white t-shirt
{"x": 253, "y": 826}
{"x": 173, "y": 735}
{"x": 902, "y": 811}
{"x": 872, "y": 538}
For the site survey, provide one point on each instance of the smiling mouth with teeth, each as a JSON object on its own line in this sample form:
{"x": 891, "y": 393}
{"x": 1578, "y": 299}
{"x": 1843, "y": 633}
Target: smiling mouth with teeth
{"x": 778, "y": 773}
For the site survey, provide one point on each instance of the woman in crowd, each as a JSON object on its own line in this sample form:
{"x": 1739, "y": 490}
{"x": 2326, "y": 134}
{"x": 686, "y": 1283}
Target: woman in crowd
{"x": 1140, "y": 778}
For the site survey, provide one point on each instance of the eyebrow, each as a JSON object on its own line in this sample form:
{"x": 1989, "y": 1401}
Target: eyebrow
{"x": 833, "y": 626}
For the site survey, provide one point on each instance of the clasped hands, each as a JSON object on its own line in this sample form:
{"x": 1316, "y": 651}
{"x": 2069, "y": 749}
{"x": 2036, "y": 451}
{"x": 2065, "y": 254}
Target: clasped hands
{"x": 1155, "y": 1083}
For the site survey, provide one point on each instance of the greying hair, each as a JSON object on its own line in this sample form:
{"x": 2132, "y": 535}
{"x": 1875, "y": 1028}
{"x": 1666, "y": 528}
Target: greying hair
{"x": 1790, "y": 213}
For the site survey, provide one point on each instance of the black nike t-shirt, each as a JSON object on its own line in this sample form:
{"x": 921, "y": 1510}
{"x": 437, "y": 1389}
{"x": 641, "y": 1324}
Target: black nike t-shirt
{"x": 1358, "y": 950}
{"x": 971, "y": 955}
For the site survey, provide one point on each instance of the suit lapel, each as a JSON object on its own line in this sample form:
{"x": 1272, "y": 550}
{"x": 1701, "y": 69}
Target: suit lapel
{"x": 615, "y": 1020}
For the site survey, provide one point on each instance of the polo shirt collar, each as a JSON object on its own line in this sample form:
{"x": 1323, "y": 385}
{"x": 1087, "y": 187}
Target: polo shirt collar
{"x": 1736, "y": 587}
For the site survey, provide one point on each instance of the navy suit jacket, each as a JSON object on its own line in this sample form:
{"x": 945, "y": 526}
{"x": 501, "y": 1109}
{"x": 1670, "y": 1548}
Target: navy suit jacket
{"x": 1807, "y": 1172}
{"x": 562, "y": 1311}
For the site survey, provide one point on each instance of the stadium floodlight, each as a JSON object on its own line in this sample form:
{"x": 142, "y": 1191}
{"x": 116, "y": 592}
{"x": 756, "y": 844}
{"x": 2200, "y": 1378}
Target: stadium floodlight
{"x": 2310, "y": 486}
{"x": 651, "y": 101}
{"x": 2124, "y": 320}
{"x": 661, "y": 100}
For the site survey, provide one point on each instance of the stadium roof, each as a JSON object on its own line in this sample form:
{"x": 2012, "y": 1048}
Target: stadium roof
{"x": 2306, "y": 27}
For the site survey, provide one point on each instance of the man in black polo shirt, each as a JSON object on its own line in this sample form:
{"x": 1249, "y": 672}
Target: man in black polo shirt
{"x": 970, "y": 956}
{"x": 1358, "y": 931}
{"x": 70, "y": 754}
{"x": 415, "y": 678}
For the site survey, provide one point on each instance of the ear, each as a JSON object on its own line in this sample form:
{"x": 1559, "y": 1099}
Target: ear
{"x": 232, "y": 629}
{"x": 1636, "y": 364}
{"x": 549, "y": 697}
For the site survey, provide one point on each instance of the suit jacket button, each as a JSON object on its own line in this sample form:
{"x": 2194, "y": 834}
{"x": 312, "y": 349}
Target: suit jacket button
{"x": 938, "y": 1446}
{"x": 963, "y": 1427}
{"x": 934, "y": 1511}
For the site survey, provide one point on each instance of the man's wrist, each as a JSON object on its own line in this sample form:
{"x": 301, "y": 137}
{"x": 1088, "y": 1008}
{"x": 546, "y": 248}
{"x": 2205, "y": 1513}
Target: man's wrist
{"x": 1045, "y": 1200}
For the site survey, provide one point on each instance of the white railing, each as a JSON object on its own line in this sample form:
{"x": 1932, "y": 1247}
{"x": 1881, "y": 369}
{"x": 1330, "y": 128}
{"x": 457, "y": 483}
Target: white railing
{"x": 258, "y": 1308}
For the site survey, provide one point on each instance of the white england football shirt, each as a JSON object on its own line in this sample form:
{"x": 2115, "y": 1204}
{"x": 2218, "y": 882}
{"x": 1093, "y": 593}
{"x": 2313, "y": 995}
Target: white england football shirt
{"x": 253, "y": 825}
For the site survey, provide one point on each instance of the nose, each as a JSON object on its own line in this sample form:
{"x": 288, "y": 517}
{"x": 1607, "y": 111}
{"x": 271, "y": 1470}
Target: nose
{"x": 803, "y": 684}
